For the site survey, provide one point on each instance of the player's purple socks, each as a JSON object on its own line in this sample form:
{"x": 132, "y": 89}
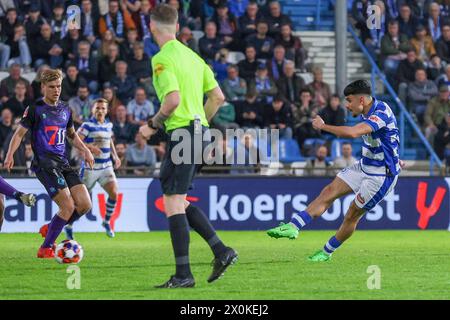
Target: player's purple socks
{"x": 301, "y": 219}
{"x": 54, "y": 229}
{"x": 331, "y": 245}
{"x": 110, "y": 206}
{"x": 7, "y": 189}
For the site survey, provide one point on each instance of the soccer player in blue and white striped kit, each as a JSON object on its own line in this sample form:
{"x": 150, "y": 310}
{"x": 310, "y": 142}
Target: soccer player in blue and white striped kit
{"x": 97, "y": 135}
{"x": 371, "y": 178}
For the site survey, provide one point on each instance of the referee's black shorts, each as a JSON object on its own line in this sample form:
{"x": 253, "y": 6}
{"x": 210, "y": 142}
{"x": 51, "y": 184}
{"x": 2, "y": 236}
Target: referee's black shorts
{"x": 177, "y": 178}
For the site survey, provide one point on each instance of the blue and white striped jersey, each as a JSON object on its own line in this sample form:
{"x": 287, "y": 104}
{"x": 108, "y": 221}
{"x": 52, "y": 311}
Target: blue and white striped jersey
{"x": 100, "y": 134}
{"x": 380, "y": 147}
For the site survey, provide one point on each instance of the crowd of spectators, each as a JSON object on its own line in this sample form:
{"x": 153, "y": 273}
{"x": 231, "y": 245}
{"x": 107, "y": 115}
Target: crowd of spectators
{"x": 110, "y": 55}
{"x": 412, "y": 47}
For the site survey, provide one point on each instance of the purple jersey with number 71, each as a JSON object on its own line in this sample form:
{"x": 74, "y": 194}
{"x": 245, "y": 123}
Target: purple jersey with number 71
{"x": 48, "y": 125}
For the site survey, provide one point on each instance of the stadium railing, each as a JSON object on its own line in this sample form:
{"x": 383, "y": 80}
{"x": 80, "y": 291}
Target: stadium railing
{"x": 404, "y": 114}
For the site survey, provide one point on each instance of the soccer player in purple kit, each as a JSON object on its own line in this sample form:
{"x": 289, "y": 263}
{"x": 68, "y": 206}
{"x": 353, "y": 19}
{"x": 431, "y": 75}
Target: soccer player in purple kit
{"x": 49, "y": 122}
{"x": 7, "y": 190}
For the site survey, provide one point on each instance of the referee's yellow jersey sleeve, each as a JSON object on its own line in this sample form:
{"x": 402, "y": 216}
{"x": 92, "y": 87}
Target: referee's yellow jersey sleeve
{"x": 164, "y": 79}
{"x": 209, "y": 82}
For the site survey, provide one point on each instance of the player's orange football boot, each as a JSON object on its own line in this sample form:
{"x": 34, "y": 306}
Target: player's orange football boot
{"x": 44, "y": 230}
{"x": 46, "y": 253}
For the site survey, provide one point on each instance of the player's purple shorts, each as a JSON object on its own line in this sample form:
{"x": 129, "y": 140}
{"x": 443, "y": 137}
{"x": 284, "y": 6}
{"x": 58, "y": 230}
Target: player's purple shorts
{"x": 57, "y": 178}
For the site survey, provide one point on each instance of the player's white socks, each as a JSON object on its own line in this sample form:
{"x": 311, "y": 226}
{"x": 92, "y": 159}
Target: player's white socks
{"x": 110, "y": 206}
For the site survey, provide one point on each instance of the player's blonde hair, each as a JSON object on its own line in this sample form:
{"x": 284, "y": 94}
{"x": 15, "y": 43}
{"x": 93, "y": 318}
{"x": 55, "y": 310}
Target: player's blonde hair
{"x": 51, "y": 75}
{"x": 165, "y": 18}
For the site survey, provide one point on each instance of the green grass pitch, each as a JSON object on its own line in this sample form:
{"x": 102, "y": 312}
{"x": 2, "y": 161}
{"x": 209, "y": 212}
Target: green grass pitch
{"x": 413, "y": 265}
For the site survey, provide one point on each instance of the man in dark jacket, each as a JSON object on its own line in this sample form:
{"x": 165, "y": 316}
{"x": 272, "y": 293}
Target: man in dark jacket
{"x": 278, "y": 115}
{"x": 406, "y": 72}
{"x": 249, "y": 112}
{"x": 290, "y": 85}
{"x": 443, "y": 44}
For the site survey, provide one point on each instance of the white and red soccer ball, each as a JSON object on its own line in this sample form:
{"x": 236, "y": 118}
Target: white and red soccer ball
{"x": 69, "y": 251}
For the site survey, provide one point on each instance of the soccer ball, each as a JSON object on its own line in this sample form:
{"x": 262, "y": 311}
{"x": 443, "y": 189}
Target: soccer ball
{"x": 69, "y": 251}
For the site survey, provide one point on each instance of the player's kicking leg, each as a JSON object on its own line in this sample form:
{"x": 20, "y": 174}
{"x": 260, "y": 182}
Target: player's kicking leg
{"x": 8, "y": 190}
{"x": 331, "y": 192}
{"x": 112, "y": 189}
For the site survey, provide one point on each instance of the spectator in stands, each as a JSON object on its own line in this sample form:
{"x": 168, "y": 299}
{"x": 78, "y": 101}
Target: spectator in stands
{"x": 124, "y": 131}
{"x": 6, "y": 123}
{"x": 107, "y": 39}
{"x": 141, "y": 20}
{"x": 70, "y": 44}
{"x": 121, "y": 149}
{"x": 442, "y": 140}
{"x": 423, "y": 44}
{"x": 320, "y": 90}
{"x": 290, "y": 85}
{"x": 249, "y": 112}
{"x": 123, "y": 83}
{"x": 70, "y": 83}
{"x": 4, "y": 55}
{"x": 437, "y": 109}
{"x": 360, "y": 14}
{"x": 393, "y": 49}
{"x": 234, "y": 87}
{"x": 210, "y": 44}
{"x": 262, "y": 43}
{"x": 346, "y": 159}
{"x": 435, "y": 69}
{"x": 264, "y": 85}
{"x": 81, "y": 105}
{"x": 373, "y": 42}
{"x": 8, "y": 85}
{"x": 133, "y": 5}
{"x": 406, "y": 72}
{"x": 435, "y": 21}
{"x": 47, "y": 49}
{"x": 19, "y": 102}
{"x": 87, "y": 65}
{"x": 248, "y": 66}
{"x": 118, "y": 21}
{"x": 182, "y": 18}
{"x": 89, "y": 25}
{"x": 221, "y": 64}
{"x": 293, "y": 46}
{"x": 278, "y": 115}
{"x": 113, "y": 103}
{"x": 406, "y": 21}
{"x": 419, "y": 93}
{"x": 303, "y": 117}
{"x": 185, "y": 36}
{"x": 319, "y": 166}
{"x": 250, "y": 155}
{"x": 33, "y": 24}
{"x": 443, "y": 44}
{"x": 227, "y": 27}
{"x": 19, "y": 50}
{"x": 140, "y": 67}
{"x": 8, "y": 24}
{"x": 58, "y": 22}
{"x": 247, "y": 22}
{"x": 126, "y": 47}
{"x": 140, "y": 154}
{"x": 445, "y": 78}
{"x": 225, "y": 117}
{"x": 276, "y": 64}
{"x": 276, "y": 18}
{"x": 36, "y": 88}
{"x": 333, "y": 114}
{"x": 107, "y": 65}
{"x": 140, "y": 109}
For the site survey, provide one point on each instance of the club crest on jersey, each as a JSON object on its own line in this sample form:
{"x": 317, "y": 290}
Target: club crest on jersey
{"x": 64, "y": 116}
{"x": 158, "y": 69}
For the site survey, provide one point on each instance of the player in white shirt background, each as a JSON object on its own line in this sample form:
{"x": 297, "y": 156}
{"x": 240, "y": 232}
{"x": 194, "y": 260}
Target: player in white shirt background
{"x": 97, "y": 134}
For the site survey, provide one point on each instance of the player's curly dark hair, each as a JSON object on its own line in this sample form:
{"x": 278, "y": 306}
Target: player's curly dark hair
{"x": 358, "y": 87}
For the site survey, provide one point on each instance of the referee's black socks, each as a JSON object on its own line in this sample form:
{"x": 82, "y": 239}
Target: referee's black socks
{"x": 179, "y": 232}
{"x": 200, "y": 223}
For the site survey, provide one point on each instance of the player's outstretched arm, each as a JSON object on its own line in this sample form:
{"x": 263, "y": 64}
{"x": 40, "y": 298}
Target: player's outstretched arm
{"x": 213, "y": 103}
{"x": 13, "y": 145}
{"x": 77, "y": 143}
{"x": 342, "y": 131}
{"x": 116, "y": 159}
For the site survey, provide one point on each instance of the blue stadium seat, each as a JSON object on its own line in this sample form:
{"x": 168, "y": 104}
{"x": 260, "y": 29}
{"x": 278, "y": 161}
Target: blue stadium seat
{"x": 289, "y": 151}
